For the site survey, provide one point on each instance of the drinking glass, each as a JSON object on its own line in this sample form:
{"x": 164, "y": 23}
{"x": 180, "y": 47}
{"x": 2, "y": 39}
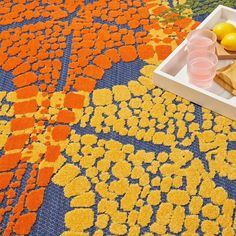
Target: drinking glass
{"x": 201, "y": 67}
{"x": 201, "y": 39}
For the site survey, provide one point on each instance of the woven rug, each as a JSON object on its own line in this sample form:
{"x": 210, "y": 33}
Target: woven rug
{"x": 88, "y": 145}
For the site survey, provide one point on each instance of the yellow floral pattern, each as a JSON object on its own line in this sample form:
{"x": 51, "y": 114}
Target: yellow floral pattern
{"x": 131, "y": 159}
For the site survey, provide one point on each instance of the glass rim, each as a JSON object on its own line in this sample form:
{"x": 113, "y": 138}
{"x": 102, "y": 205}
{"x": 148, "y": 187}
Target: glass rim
{"x": 203, "y": 52}
{"x": 214, "y": 37}
{"x": 214, "y": 61}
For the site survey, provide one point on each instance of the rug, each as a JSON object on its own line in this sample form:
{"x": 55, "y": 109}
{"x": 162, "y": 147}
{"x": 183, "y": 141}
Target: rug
{"x": 88, "y": 144}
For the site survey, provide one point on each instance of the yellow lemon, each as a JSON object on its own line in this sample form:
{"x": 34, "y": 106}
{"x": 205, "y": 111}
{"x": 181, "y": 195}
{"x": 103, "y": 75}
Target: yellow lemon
{"x": 222, "y": 29}
{"x": 229, "y": 42}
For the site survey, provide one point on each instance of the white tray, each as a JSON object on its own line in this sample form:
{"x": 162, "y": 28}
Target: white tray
{"x": 172, "y": 74}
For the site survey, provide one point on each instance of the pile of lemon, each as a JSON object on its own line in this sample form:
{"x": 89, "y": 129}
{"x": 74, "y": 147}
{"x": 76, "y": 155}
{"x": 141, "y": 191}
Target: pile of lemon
{"x": 226, "y": 34}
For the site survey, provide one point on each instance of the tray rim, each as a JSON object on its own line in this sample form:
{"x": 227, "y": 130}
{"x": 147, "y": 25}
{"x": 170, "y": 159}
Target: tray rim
{"x": 223, "y": 106}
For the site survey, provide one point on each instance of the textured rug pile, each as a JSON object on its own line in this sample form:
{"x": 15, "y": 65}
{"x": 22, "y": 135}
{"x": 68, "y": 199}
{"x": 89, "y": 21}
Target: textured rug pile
{"x": 88, "y": 144}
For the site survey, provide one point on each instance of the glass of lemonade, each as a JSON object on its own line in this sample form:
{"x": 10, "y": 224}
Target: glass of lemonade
{"x": 201, "y": 67}
{"x": 201, "y": 58}
{"x": 201, "y": 39}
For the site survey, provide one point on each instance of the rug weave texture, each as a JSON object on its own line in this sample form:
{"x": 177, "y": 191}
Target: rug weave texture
{"x": 88, "y": 144}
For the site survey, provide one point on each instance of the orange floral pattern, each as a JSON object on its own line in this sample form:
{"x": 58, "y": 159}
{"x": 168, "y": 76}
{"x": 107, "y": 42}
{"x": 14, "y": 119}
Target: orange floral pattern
{"x": 56, "y": 52}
